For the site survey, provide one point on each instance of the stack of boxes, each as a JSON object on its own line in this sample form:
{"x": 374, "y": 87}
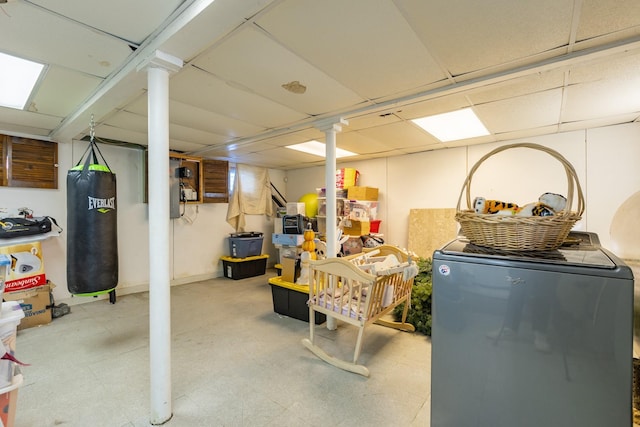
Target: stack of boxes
{"x": 361, "y": 211}
{"x": 288, "y": 238}
{"x": 361, "y": 217}
{"x": 246, "y": 259}
{"x": 290, "y": 298}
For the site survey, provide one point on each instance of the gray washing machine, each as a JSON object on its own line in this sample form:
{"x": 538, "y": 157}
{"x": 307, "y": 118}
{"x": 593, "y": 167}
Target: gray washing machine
{"x": 531, "y": 339}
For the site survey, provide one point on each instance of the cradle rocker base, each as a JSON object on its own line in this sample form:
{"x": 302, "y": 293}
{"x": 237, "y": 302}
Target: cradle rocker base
{"x": 407, "y": 327}
{"x": 338, "y": 363}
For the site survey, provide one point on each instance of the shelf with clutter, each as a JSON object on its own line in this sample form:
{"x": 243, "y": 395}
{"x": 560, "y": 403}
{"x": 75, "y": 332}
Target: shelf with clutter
{"x": 302, "y": 229}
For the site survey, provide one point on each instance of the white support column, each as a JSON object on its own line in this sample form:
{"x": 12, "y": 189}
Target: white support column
{"x": 158, "y": 67}
{"x": 330, "y": 128}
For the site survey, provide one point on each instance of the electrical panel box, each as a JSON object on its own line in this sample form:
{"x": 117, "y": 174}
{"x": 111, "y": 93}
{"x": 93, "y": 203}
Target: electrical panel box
{"x": 174, "y": 188}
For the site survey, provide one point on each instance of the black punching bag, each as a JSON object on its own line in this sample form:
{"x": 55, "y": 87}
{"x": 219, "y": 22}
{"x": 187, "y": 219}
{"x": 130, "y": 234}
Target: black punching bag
{"x": 92, "y": 232}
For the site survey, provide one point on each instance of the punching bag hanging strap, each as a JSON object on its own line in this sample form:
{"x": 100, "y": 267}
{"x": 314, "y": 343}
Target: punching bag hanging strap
{"x": 91, "y": 149}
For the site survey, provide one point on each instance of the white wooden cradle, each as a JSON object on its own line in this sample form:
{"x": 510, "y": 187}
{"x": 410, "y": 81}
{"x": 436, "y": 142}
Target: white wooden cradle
{"x": 341, "y": 288}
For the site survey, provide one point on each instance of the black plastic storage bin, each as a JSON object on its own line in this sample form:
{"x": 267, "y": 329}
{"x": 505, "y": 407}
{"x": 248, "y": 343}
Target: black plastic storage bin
{"x": 290, "y": 300}
{"x": 242, "y": 245}
{"x": 242, "y": 268}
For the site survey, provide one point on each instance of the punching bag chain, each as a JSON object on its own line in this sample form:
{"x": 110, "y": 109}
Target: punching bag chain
{"x": 92, "y": 129}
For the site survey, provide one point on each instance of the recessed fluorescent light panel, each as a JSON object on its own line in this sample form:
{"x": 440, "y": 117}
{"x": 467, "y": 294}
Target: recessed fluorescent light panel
{"x": 18, "y": 77}
{"x": 452, "y": 126}
{"x": 319, "y": 149}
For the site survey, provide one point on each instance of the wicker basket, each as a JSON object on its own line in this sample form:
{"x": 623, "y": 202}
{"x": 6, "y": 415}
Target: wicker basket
{"x": 519, "y": 233}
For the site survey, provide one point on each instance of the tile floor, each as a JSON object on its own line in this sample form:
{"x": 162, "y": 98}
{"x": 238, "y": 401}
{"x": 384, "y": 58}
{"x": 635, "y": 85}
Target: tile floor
{"x": 234, "y": 361}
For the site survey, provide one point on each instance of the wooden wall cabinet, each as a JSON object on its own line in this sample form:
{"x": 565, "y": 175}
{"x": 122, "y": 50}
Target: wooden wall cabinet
{"x": 28, "y": 162}
{"x": 191, "y": 182}
{"x": 208, "y": 180}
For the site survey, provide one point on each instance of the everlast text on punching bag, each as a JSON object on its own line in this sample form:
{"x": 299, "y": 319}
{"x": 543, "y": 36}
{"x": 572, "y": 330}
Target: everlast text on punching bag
{"x": 92, "y": 233}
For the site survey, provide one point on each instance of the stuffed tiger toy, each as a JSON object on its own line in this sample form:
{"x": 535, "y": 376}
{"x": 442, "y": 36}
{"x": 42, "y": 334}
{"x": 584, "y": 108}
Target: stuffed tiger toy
{"x": 548, "y": 204}
{"x": 535, "y": 209}
{"x": 496, "y": 207}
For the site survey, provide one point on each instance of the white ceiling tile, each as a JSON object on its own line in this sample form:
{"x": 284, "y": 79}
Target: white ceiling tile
{"x": 207, "y": 121}
{"x": 27, "y": 131}
{"x": 28, "y": 119}
{"x": 469, "y": 36}
{"x": 527, "y": 133}
{"x": 532, "y": 83}
{"x": 600, "y": 122}
{"x": 211, "y": 25}
{"x": 207, "y": 92}
{"x": 34, "y": 34}
{"x": 62, "y": 90}
{"x": 622, "y": 68}
{"x": 372, "y": 120}
{"x": 357, "y": 142}
{"x": 522, "y": 112}
{"x": 390, "y": 153}
{"x": 130, "y": 20}
{"x": 607, "y": 16}
{"x": 602, "y": 98}
{"x": 296, "y": 137}
{"x": 127, "y": 120}
{"x": 107, "y": 131}
{"x": 400, "y": 135}
{"x": 258, "y": 63}
{"x": 364, "y": 44}
{"x": 276, "y": 158}
{"x": 187, "y": 134}
{"x": 433, "y": 106}
{"x": 184, "y": 146}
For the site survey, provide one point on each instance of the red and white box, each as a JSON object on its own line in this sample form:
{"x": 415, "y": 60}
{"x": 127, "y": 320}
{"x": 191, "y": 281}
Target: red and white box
{"x": 27, "y": 266}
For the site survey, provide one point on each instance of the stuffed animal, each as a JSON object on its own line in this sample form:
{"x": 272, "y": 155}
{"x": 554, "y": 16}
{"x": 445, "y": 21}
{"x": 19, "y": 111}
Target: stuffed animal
{"x": 535, "y": 209}
{"x": 556, "y": 202}
{"x": 548, "y": 204}
{"x": 483, "y": 206}
{"x": 303, "y": 279}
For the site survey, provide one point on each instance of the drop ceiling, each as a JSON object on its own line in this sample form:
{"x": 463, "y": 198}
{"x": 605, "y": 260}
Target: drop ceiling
{"x": 525, "y": 68}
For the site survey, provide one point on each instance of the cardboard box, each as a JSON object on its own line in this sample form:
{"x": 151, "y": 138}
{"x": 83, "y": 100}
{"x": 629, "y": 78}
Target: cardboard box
{"x": 347, "y": 177}
{"x": 290, "y": 269}
{"x": 27, "y": 266}
{"x": 362, "y": 193}
{"x": 353, "y": 227}
{"x": 288, "y": 252}
{"x": 296, "y": 208}
{"x": 35, "y": 303}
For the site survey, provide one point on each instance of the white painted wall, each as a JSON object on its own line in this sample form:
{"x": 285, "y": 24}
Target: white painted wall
{"x": 605, "y": 159}
{"x": 196, "y": 246}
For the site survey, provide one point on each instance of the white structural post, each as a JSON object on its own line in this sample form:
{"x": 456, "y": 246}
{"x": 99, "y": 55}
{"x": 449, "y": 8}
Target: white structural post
{"x": 158, "y": 67}
{"x": 330, "y": 128}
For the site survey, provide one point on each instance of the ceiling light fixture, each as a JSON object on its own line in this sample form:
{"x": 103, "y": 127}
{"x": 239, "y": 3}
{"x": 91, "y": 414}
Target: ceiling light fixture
{"x": 319, "y": 149}
{"x": 453, "y": 126}
{"x": 18, "y": 78}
